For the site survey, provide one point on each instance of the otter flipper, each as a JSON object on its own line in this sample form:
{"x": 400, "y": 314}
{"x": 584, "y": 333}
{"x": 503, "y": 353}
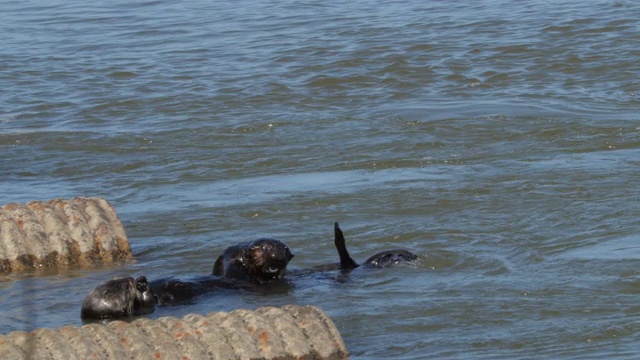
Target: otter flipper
{"x": 346, "y": 262}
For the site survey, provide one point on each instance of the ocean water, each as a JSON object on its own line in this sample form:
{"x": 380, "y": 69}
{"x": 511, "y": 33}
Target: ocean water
{"x": 499, "y": 140}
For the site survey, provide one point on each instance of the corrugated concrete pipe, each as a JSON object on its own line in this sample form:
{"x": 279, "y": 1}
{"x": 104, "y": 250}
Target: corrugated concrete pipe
{"x": 289, "y": 332}
{"x": 83, "y": 231}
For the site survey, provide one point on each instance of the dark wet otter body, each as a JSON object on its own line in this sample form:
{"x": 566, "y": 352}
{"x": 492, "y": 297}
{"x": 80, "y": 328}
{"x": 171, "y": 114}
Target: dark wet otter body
{"x": 391, "y": 258}
{"x": 382, "y": 259}
{"x": 173, "y": 291}
{"x": 248, "y": 266}
{"x": 252, "y": 266}
{"x": 259, "y": 265}
{"x": 119, "y": 297}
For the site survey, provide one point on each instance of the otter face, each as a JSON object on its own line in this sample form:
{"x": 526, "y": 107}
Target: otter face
{"x": 259, "y": 261}
{"x": 267, "y": 259}
{"x": 145, "y": 301}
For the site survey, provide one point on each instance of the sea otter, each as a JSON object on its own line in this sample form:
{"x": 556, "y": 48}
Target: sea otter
{"x": 382, "y": 259}
{"x": 259, "y": 261}
{"x": 251, "y": 266}
{"x": 119, "y": 297}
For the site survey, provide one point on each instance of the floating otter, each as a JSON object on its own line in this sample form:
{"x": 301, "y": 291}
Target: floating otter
{"x": 119, "y": 297}
{"x": 382, "y": 259}
{"x": 257, "y": 265}
{"x": 259, "y": 261}
{"x": 244, "y": 266}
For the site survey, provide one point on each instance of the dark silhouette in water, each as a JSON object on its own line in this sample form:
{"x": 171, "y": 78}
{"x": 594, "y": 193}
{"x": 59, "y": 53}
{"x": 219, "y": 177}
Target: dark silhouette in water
{"x": 119, "y": 297}
{"x": 386, "y": 258}
{"x": 382, "y": 259}
{"x": 259, "y": 261}
{"x": 257, "y": 266}
{"x": 254, "y": 266}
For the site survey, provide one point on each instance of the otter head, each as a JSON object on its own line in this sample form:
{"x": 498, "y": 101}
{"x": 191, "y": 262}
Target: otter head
{"x": 258, "y": 261}
{"x": 266, "y": 259}
{"x": 145, "y": 300}
{"x": 118, "y": 298}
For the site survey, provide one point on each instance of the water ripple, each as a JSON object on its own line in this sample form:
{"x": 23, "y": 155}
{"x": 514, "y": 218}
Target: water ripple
{"x": 496, "y": 139}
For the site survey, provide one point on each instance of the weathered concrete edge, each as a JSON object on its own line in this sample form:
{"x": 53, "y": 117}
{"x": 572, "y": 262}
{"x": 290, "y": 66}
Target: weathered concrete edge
{"x": 288, "y": 332}
{"x": 61, "y": 234}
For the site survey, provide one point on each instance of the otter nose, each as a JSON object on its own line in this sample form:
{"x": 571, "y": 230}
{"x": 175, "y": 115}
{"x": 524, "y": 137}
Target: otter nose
{"x": 288, "y": 255}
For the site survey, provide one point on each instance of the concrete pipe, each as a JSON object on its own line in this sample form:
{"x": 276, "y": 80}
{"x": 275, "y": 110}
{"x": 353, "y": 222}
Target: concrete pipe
{"x": 289, "y": 332}
{"x": 83, "y": 231}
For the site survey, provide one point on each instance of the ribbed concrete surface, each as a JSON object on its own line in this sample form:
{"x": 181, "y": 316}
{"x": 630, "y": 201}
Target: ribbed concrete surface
{"x": 289, "y": 332}
{"x": 61, "y": 234}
